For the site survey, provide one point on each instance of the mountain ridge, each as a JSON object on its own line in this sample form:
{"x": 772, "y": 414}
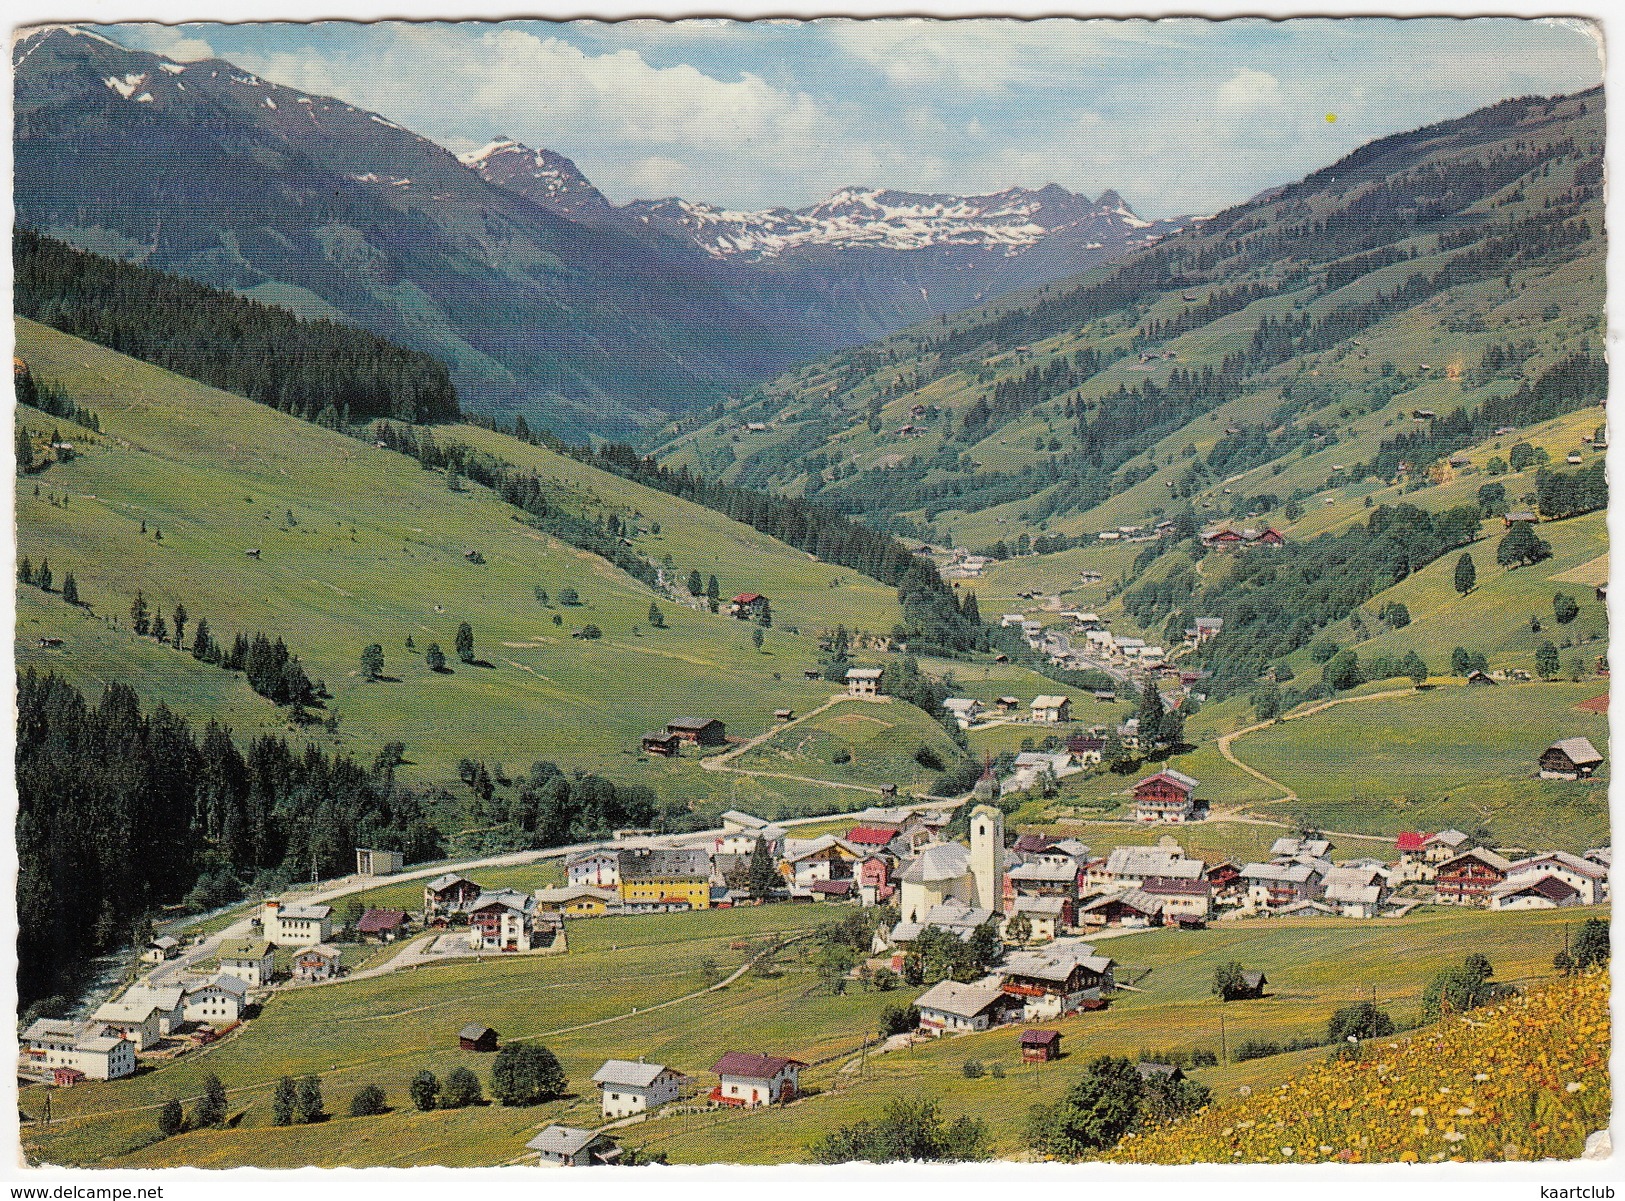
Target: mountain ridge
{"x": 536, "y": 295}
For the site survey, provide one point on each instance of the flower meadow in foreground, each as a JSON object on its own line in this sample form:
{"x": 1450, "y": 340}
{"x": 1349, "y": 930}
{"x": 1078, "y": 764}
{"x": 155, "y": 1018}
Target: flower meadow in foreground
{"x": 1524, "y": 1079}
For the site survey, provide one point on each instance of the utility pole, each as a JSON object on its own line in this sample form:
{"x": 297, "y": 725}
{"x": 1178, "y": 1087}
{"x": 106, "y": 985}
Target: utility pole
{"x": 1224, "y": 1049}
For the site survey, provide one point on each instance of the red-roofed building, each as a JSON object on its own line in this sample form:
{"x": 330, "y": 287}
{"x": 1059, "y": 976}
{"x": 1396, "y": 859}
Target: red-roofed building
{"x": 1168, "y": 796}
{"x": 874, "y": 880}
{"x": 1040, "y": 1046}
{"x": 747, "y": 1081}
{"x": 1186, "y": 901}
{"x": 748, "y": 604}
{"x": 385, "y": 925}
{"x": 1413, "y": 858}
{"x": 870, "y": 838}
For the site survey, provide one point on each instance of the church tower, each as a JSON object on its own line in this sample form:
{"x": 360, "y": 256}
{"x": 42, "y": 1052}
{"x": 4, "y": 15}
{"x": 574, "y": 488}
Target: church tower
{"x": 987, "y": 857}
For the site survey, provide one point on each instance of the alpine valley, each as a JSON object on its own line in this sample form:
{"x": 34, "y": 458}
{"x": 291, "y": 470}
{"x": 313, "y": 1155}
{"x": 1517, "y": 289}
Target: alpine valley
{"x": 507, "y": 264}
{"x": 908, "y": 677}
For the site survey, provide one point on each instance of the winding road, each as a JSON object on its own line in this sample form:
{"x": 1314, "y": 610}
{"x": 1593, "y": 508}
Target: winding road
{"x": 1287, "y": 795}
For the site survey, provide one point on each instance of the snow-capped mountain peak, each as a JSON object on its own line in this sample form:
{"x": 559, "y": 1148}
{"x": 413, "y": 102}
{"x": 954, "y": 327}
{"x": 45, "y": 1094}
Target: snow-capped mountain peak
{"x": 1013, "y": 220}
{"x": 547, "y": 178}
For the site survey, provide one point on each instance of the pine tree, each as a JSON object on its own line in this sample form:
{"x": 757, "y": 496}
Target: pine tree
{"x": 283, "y": 1099}
{"x": 372, "y": 662}
{"x": 70, "y": 589}
{"x": 138, "y": 614}
{"x": 713, "y": 593}
{"x": 25, "y": 450}
{"x": 25, "y": 571}
{"x": 43, "y": 577}
{"x": 201, "y": 640}
{"x": 435, "y": 658}
{"x": 657, "y": 619}
{"x": 180, "y": 626}
{"x": 695, "y": 584}
{"x": 1466, "y": 574}
{"x": 1150, "y": 714}
{"x": 764, "y": 875}
{"x": 465, "y": 643}
{"x": 160, "y": 628}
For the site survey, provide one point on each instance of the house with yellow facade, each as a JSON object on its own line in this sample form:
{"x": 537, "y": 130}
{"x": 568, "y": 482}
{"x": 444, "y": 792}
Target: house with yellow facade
{"x": 578, "y": 900}
{"x": 654, "y": 879}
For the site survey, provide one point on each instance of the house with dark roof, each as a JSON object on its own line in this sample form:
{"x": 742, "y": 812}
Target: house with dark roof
{"x": 747, "y": 1080}
{"x": 661, "y": 742}
{"x": 382, "y": 925}
{"x": 1168, "y": 796}
{"x": 659, "y": 879}
{"x": 701, "y": 731}
{"x": 1134, "y": 908}
{"x": 1533, "y": 892}
{"x": 1033, "y": 843}
{"x": 1040, "y": 1046}
{"x": 1187, "y": 902}
{"x": 1586, "y": 876}
{"x": 475, "y": 1037}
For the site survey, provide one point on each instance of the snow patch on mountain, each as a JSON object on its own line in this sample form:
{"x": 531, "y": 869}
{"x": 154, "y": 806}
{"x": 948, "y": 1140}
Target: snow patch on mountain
{"x": 543, "y": 176}
{"x": 1013, "y": 221}
{"x": 126, "y": 86}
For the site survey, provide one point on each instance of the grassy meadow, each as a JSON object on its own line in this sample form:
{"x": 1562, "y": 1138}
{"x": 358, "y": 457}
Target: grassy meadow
{"x": 385, "y": 1029}
{"x": 1450, "y": 755}
{"x": 360, "y": 545}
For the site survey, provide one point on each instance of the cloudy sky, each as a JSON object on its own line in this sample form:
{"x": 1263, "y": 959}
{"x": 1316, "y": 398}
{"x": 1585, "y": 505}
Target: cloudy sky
{"x": 1180, "y": 116}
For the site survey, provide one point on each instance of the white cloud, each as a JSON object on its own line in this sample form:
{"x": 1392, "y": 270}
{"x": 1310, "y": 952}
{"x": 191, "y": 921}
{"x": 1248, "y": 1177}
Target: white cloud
{"x": 656, "y": 175}
{"x": 172, "y": 41}
{"x": 986, "y": 55}
{"x": 1249, "y": 91}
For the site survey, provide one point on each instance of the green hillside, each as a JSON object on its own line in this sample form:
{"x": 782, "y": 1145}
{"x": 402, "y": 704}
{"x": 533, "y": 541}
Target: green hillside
{"x": 1262, "y": 353}
{"x": 359, "y": 545}
{"x": 595, "y": 1003}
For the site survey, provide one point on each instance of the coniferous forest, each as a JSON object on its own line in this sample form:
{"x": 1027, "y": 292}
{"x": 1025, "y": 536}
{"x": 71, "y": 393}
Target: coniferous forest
{"x": 123, "y": 812}
{"x": 317, "y": 369}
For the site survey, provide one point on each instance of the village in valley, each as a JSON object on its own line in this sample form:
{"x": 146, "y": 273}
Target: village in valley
{"x": 1013, "y": 927}
{"x": 514, "y": 675}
